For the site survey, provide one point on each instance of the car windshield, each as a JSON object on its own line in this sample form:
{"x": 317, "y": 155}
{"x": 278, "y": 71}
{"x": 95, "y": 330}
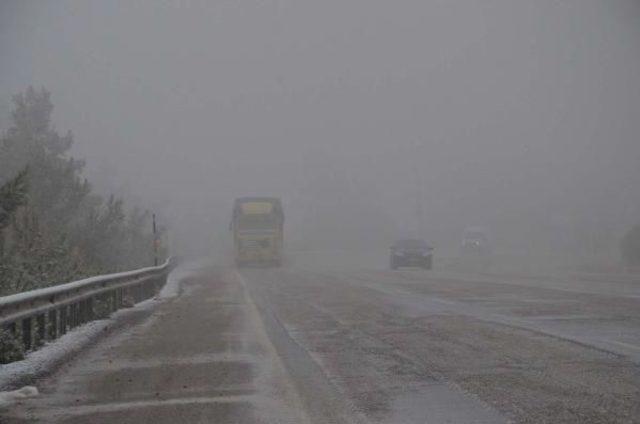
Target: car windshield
{"x": 411, "y": 244}
{"x": 257, "y": 222}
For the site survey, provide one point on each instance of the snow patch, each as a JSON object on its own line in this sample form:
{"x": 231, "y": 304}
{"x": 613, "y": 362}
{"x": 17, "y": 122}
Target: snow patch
{"x": 49, "y": 355}
{"x": 8, "y": 398}
{"x": 172, "y": 287}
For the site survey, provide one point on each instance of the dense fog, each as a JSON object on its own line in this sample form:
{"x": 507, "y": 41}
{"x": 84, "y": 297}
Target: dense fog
{"x": 371, "y": 119}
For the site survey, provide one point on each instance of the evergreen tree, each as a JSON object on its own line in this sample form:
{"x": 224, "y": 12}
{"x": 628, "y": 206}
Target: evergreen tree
{"x": 13, "y": 194}
{"x": 64, "y": 231}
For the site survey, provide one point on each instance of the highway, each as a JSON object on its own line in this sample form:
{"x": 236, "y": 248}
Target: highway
{"x": 313, "y": 343}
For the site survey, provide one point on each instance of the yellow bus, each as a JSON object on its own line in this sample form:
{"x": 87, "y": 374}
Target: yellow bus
{"x": 258, "y": 227}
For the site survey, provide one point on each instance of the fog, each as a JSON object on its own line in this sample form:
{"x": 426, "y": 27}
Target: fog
{"x": 371, "y": 119}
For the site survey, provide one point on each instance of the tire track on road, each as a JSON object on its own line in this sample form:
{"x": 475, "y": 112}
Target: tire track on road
{"x": 435, "y": 305}
{"x": 434, "y": 399}
{"x": 323, "y": 404}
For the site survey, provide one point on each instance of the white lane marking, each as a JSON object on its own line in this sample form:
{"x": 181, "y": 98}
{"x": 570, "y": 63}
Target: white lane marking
{"x": 290, "y": 394}
{"x": 126, "y": 406}
{"x": 106, "y": 364}
{"x": 627, "y": 345}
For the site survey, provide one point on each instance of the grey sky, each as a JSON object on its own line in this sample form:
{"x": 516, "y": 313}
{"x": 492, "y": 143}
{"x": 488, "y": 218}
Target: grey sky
{"x": 510, "y": 114}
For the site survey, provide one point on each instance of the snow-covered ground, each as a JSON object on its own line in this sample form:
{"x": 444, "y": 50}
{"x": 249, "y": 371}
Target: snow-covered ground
{"x": 172, "y": 287}
{"x": 8, "y": 398}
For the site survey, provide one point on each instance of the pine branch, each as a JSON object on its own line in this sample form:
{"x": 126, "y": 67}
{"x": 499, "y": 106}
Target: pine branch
{"x": 13, "y": 194}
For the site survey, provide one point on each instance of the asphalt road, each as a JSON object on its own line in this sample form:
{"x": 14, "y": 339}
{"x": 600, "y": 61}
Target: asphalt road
{"x": 314, "y": 344}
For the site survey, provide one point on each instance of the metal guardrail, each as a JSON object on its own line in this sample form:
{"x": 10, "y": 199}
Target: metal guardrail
{"x": 41, "y": 315}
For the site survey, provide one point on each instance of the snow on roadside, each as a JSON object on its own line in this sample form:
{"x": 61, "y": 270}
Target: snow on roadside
{"x": 172, "y": 287}
{"x": 55, "y": 352}
{"x": 49, "y": 355}
{"x": 8, "y": 398}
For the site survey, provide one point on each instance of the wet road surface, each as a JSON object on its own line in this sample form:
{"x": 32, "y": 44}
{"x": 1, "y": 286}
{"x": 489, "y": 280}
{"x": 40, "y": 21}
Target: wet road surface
{"x": 310, "y": 345}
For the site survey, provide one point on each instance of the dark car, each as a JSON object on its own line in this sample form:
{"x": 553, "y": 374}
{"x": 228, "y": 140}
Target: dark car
{"x": 411, "y": 252}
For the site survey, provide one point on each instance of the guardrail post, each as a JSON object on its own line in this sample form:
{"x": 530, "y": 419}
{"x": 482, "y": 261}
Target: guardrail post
{"x": 13, "y": 329}
{"x": 90, "y": 311}
{"x": 53, "y": 325}
{"x": 82, "y": 313}
{"x": 131, "y": 296}
{"x": 26, "y": 333}
{"x": 103, "y": 305}
{"x": 63, "y": 319}
{"x": 74, "y": 315}
{"x": 41, "y": 334}
{"x": 71, "y": 316}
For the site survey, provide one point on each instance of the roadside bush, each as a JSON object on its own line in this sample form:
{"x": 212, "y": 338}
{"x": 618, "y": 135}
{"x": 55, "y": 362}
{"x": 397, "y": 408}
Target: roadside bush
{"x": 10, "y": 349}
{"x": 630, "y": 247}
